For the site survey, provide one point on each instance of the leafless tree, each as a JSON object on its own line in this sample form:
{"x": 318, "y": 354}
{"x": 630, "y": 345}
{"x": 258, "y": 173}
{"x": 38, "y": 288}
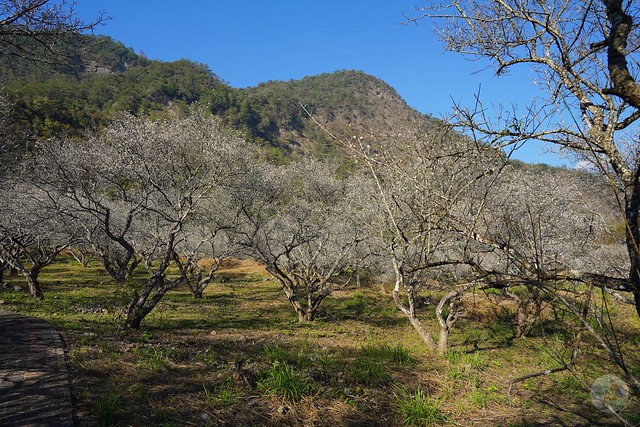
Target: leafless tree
{"x": 82, "y": 253}
{"x": 35, "y": 30}
{"x": 535, "y": 231}
{"x": 136, "y": 187}
{"x": 584, "y": 58}
{"x": 33, "y": 231}
{"x": 426, "y": 188}
{"x": 206, "y": 242}
{"x": 305, "y": 225}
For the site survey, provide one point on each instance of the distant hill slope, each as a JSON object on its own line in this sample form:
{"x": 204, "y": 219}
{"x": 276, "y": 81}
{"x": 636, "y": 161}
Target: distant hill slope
{"x": 102, "y": 77}
{"x": 345, "y": 102}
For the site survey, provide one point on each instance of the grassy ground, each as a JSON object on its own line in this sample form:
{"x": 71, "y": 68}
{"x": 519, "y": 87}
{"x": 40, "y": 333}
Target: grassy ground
{"x": 238, "y": 358}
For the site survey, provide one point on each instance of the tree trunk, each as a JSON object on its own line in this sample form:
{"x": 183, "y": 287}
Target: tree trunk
{"x": 443, "y": 341}
{"x": 632, "y": 211}
{"x": 305, "y": 316}
{"x": 34, "y": 286}
{"x": 528, "y": 311}
{"x": 196, "y": 290}
{"x": 141, "y": 305}
{"x": 415, "y": 322}
{"x": 424, "y": 334}
{"x": 446, "y": 323}
{"x": 136, "y": 313}
{"x": 133, "y": 316}
{"x": 134, "y": 319}
{"x": 292, "y": 297}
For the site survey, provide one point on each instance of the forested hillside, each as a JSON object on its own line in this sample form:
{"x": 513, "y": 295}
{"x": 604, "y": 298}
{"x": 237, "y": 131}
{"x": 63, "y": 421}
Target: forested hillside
{"x": 102, "y": 77}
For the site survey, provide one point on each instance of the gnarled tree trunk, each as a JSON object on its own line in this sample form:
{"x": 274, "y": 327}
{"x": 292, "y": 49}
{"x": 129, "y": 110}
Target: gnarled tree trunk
{"x": 409, "y": 312}
{"x": 446, "y": 322}
{"x": 34, "y": 287}
{"x": 143, "y": 303}
{"x": 632, "y": 219}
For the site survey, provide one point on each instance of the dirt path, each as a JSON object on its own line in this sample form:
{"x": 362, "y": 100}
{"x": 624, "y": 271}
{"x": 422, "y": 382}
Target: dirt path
{"x": 34, "y": 381}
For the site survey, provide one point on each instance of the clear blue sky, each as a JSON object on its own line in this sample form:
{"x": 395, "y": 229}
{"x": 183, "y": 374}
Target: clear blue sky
{"x": 252, "y": 41}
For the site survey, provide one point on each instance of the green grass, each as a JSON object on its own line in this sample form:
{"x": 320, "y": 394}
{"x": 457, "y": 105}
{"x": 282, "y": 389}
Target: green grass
{"x": 417, "y": 409}
{"x": 155, "y": 358}
{"x": 479, "y": 397}
{"x": 108, "y": 410}
{"x": 366, "y": 371}
{"x": 397, "y": 354}
{"x": 283, "y": 381}
{"x": 224, "y": 396}
{"x": 339, "y": 370}
{"x": 571, "y": 385}
{"x": 276, "y": 353}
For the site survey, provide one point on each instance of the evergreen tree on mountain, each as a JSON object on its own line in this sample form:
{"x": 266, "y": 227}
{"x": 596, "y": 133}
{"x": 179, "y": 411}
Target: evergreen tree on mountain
{"x": 104, "y": 78}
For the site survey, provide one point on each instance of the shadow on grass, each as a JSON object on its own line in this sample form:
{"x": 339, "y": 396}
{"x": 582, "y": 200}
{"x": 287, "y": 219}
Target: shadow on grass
{"x": 587, "y": 414}
{"x": 368, "y": 308}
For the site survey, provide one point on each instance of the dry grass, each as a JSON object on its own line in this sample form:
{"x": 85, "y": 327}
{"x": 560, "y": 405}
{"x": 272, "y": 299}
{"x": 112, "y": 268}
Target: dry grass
{"x": 201, "y": 362}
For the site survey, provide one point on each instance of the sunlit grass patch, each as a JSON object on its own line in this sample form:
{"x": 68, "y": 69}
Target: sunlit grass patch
{"x": 419, "y": 410}
{"x": 281, "y": 379}
{"x": 397, "y": 354}
{"x": 222, "y": 396}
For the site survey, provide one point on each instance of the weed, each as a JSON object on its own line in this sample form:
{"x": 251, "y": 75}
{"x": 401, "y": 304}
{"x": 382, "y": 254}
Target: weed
{"x": 152, "y": 359}
{"x": 472, "y": 336}
{"x": 366, "y": 371}
{"x": 358, "y": 304}
{"x": 633, "y": 419}
{"x": 570, "y": 385}
{"x": 139, "y": 391}
{"x": 479, "y": 397}
{"x": 456, "y": 373}
{"x": 397, "y": 355}
{"x": 146, "y": 336}
{"x": 463, "y": 362}
{"x": 227, "y": 395}
{"x": 502, "y": 331}
{"x": 276, "y": 353}
{"x": 417, "y": 409}
{"x": 224, "y": 397}
{"x": 300, "y": 357}
{"x": 454, "y": 356}
{"x": 475, "y": 361}
{"x": 324, "y": 359}
{"x": 281, "y": 380}
{"x": 107, "y": 408}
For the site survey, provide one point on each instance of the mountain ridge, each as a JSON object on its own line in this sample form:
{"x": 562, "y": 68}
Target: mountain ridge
{"x": 102, "y": 78}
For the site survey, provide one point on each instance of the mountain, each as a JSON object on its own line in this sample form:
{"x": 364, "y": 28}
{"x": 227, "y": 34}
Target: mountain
{"x": 98, "y": 79}
{"x": 346, "y": 103}
{"x": 101, "y": 77}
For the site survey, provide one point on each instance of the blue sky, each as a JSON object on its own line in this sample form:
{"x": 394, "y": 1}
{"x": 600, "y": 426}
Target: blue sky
{"x": 249, "y": 42}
